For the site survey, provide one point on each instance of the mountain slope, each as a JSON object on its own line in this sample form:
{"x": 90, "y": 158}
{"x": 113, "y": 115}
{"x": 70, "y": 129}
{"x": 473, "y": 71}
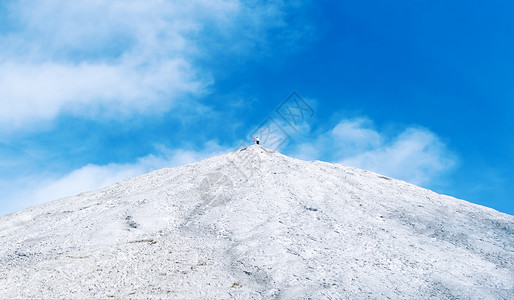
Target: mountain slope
{"x": 257, "y": 224}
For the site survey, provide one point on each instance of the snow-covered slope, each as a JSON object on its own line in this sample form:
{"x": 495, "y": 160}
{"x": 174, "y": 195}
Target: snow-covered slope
{"x": 285, "y": 229}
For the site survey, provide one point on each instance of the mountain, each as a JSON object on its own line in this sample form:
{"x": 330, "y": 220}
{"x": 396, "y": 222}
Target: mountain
{"x": 256, "y": 224}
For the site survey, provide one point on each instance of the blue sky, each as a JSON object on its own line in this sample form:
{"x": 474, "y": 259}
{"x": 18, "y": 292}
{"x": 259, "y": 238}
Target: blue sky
{"x": 92, "y": 92}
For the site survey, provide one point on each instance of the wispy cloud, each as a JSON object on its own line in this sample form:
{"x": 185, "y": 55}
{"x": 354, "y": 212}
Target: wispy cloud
{"x": 116, "y": 58}
{"x": 416, "y": 155}
{"x": 32, "y": 92}
{"x": 40, "y": 188}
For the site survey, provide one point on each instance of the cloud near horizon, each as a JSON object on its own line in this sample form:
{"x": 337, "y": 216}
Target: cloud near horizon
{"x": 41, "y": 188}
{"x": 416, "y": 155}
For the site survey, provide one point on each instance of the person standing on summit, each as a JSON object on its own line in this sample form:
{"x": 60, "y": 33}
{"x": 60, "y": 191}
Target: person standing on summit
{"x": 256, "y": 140}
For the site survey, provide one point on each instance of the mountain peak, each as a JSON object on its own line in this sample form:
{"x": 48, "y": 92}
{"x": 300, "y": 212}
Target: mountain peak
{"x": 257, "y": 149}
{"x": 254, "y": 223}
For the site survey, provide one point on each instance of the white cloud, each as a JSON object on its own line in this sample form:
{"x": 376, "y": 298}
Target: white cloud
{"x": 416, "y": 155}
{"x": 32, "y": 92}
{"x": 40, "y": 188}
{"x": 354, "y": 133}
{"x": 348, "y": 137}
{"x": 118, "y": 58}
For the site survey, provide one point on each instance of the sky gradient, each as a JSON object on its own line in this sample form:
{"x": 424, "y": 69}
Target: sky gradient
{"x": 92, "y": 92}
